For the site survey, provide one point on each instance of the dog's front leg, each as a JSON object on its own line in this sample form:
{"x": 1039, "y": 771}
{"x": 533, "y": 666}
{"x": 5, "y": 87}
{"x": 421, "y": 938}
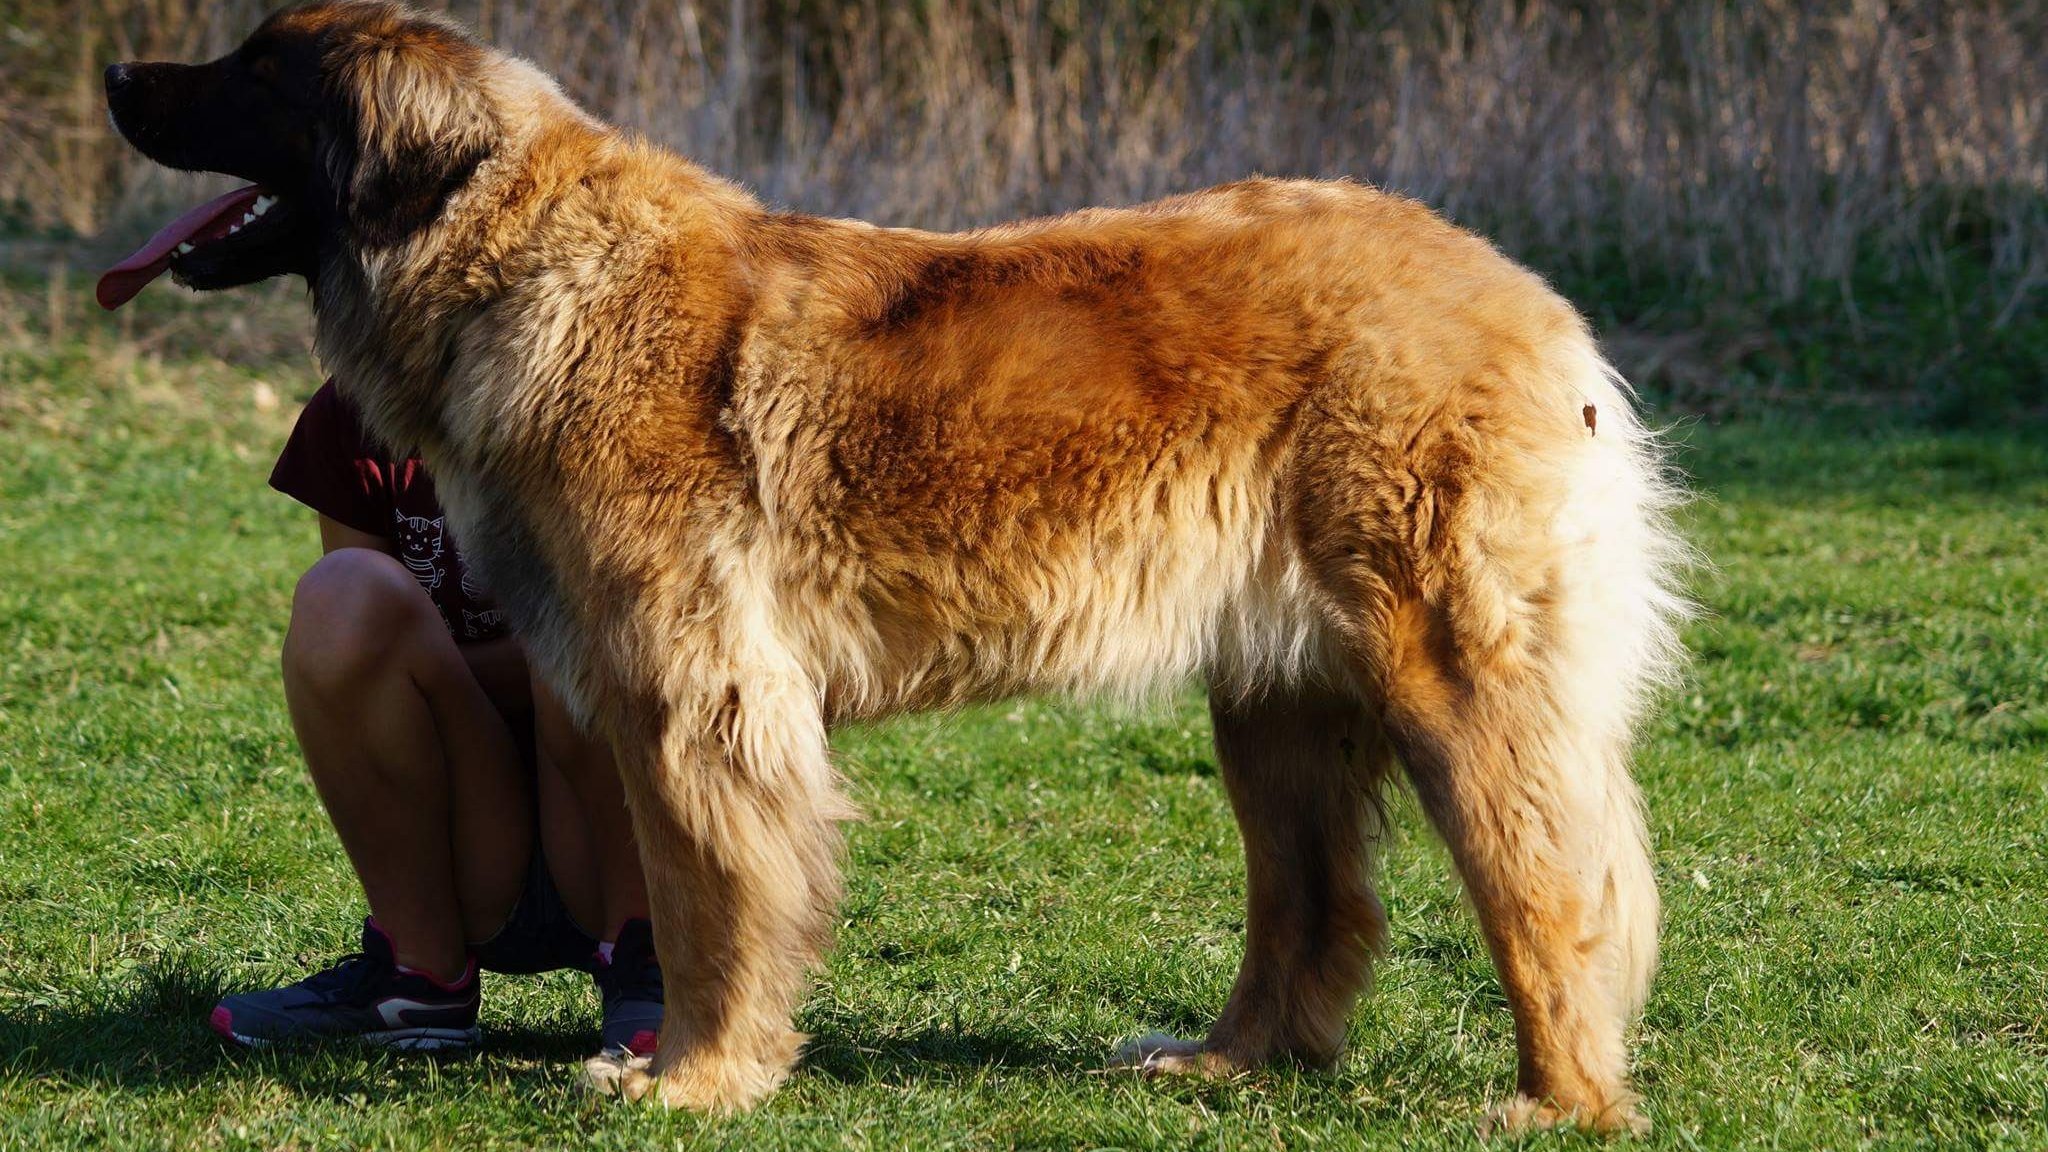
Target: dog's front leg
{"x": 737, "y": 811}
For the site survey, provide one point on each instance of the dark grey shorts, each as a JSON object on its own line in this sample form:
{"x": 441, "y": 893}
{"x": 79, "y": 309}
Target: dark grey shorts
{"x": 540, "y": 935}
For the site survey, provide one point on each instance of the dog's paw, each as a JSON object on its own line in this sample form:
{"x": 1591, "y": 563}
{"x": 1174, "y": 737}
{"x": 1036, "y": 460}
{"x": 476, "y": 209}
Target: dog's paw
{"x": 639, "y": 1084}
{"x": 605, "y": 1074}
{"x": 1522, "y": 1114}
{"x": 1157, "y": 1054}
{"x": 717, "y": 1087}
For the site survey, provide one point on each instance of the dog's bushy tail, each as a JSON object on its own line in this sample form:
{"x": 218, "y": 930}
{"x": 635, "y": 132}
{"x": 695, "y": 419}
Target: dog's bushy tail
{"x": 1621, "y": 605}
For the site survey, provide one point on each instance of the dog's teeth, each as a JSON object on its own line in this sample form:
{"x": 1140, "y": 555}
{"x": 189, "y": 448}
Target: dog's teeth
{"x": 248, "y": 217}
{"x": 263, "y": 204}
{"x": 184, "y": 248}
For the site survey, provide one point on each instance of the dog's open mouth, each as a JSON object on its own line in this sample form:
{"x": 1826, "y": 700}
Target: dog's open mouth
{"x": 220, "y": 221}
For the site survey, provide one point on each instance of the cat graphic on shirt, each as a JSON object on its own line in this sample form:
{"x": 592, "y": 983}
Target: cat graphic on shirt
{"x": 420, "y": 546}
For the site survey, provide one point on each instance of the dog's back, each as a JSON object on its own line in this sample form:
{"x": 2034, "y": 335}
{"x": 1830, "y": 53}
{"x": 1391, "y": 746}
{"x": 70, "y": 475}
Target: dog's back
{"x": 1109, "y": 451}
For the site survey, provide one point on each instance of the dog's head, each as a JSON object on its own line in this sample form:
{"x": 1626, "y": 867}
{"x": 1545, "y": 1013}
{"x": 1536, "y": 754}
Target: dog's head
{"x": 353, "y": 121}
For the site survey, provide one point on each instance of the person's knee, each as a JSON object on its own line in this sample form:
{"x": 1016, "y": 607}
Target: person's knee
{"x": 353, "y": 613}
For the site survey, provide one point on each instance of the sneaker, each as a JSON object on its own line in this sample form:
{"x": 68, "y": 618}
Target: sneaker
{"x": 629, "y": 982}
{"x": 366, "y": 996}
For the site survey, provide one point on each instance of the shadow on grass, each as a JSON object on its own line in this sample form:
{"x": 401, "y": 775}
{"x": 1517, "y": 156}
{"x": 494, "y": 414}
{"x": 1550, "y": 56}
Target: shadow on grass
{"x": 845, "y": 1051}
{"x": 151, "y": 1033}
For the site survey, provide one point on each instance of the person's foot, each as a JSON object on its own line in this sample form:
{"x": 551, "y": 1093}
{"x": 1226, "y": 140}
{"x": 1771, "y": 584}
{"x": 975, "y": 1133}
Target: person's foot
{"x": 629, "y": 982}
{"x": 367, "y": 997}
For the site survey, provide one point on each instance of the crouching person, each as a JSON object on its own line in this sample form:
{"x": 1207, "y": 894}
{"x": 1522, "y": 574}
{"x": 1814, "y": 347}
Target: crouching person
{"x": 488, "y": 833}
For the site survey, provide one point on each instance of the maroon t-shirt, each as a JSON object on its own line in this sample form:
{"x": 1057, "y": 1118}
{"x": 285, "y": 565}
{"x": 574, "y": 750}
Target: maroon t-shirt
{"x": 333, "y": 466}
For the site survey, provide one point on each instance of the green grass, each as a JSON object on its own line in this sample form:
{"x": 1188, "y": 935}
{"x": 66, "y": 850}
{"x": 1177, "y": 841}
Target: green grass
{"x": 1848, "y": 804}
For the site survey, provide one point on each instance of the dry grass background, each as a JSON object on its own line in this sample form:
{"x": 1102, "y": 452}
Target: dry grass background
{"x": 1761, "y": 151}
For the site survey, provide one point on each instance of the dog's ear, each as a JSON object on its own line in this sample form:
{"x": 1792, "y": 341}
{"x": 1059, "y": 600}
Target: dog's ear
{"x": 407, "y": 125}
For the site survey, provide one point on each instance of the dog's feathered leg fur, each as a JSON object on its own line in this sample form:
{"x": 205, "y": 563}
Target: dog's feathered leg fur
{"x": 737, "y": 811}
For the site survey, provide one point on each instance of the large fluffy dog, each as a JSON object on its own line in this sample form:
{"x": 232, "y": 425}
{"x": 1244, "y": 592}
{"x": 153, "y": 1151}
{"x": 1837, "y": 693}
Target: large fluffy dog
{"x": 740, "y": 475}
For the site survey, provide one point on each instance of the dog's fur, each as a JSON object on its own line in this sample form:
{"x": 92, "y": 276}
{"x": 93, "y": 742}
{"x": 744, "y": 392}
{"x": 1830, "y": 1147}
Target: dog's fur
{"x": 740, "y": 475}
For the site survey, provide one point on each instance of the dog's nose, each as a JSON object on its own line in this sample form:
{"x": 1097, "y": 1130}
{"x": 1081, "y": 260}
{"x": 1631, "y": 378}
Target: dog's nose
{"x": 118, "y": 77}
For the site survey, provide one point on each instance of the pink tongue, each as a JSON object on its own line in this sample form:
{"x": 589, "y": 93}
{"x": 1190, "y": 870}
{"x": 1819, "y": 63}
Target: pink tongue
{"x": 119, "y": 284}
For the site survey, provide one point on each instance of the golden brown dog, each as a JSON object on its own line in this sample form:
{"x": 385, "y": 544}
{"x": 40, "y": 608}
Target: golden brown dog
{"x": 742, "y": 474}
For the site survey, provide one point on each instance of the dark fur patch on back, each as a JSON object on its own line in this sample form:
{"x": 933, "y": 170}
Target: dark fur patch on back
{"x": 957, "y": 276}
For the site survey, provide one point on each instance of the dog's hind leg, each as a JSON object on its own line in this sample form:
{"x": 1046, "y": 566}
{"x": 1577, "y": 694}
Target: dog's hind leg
{"x": 1303, "y": 767}
{"x": 1543, "y": 822}
{"x": 1500, "y": 701}
{"x": 737, "y": 812}
{"x": 1502, "y": 578}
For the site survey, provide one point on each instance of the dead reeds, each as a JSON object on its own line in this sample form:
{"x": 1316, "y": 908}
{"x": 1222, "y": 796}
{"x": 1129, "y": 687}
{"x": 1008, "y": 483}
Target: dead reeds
{"x": 1755, "y": 148}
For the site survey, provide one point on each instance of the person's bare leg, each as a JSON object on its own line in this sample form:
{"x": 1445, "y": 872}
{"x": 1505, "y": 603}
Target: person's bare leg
{"x": 394, "y": 729}
{"x": 585, "y": 825}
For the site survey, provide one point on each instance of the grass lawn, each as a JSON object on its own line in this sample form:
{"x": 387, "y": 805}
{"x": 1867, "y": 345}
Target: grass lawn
{"x": 1848, "y": 799}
